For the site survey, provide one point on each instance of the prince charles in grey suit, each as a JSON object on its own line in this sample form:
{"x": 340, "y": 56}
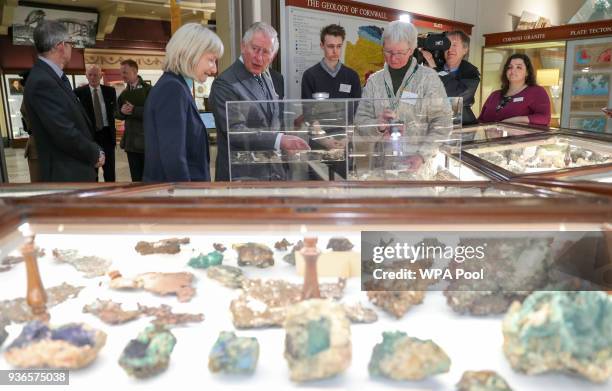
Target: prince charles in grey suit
{"x": 254, "y": 126}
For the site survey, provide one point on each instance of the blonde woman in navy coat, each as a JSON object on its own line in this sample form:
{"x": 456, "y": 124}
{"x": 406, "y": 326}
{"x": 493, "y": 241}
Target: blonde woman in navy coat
{"x": 176, "y": 140}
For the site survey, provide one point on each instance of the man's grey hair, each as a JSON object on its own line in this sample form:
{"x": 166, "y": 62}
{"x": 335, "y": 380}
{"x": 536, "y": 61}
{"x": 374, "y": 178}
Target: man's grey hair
{"x": 266, "y": 29}
{"x": 400, "y": 31}
{"x": 49, "y": 33}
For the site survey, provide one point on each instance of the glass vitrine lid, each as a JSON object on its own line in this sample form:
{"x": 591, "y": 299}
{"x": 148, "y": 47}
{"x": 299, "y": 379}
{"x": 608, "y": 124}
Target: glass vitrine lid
{"x": 543, "y": 155}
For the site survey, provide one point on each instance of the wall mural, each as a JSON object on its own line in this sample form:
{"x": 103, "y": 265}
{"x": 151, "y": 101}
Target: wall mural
{"x": 82, "y": 26}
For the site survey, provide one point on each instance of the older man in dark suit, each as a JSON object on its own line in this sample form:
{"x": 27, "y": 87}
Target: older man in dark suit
{"x": 64, "y": 135}
{"x": 99, "y": 102}
{"x": 254, "y": 127}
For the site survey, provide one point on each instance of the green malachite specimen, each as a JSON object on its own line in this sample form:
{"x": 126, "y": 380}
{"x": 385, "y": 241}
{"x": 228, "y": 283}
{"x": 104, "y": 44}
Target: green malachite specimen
{"x": 561, "y": 331}
{"x": 234, "y": 355}
{"x": 202, "y": 261}
{"x": 482, "y": 381}
{"x": 318, "y": 340}
{"x": 149, "y": 353}
{"x": 400, "y": 357}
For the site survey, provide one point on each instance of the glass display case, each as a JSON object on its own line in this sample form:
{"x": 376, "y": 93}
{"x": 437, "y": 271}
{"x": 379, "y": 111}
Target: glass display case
{"x": 106, "y": 231}
{"x": 356, "y": 139}
{"x": 543, "y": 155}
{"x": 587, "y": 89}
{"x": 548, "y": 61}
{"x": 495, "y": 131}
{"x": 13, "y": 97}
{"x": 25, "y": 190}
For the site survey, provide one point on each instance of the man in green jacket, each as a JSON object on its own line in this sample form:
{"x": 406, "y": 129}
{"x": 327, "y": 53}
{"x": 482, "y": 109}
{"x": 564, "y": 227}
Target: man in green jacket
{"x": 130, "y": 107}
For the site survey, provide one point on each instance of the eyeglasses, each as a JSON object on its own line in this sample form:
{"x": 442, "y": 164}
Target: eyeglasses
{"x": 503, "y": 102}
{"x": 260, "y": 51}
{"x": 391, "y": 53}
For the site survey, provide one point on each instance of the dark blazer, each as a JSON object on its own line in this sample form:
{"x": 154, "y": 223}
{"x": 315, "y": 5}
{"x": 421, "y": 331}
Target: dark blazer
{"x": 109, "y": 135}
{"x": 246, "y": 122}
{"x": 176, "y": 140}
{"x": 64, "y": 135}
{"x": 464, "y": 84}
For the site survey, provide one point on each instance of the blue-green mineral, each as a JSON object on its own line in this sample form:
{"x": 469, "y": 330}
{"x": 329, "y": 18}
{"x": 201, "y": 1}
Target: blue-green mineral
{"x": 561, "y": 331}
{"x": 400, "y": 357}
{"x": 202, "y": 261}
{"x": 149, "y": 353}
{"x": 318, "y": 340}
{"x": 234, "y": 355}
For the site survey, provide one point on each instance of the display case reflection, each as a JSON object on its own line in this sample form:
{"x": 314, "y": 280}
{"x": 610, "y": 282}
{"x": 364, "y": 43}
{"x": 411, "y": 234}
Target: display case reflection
{"x": 358, "y": 139}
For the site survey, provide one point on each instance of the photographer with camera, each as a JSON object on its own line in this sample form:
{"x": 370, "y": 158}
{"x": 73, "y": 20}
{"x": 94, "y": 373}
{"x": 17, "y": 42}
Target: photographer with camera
{"x": 460, "y": 78}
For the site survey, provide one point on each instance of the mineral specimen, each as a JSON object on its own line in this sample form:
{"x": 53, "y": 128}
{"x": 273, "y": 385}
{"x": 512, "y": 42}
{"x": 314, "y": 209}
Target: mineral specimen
{"x": 178, "y": 284}
{"x": 92, "y": 266}
{"x": 110, "y": 312}
{"x": 561, "y": 331}
{"x": 556, "y": 155}
{"x": 264, "y": 304}
{"x": 18, "y": 310}
{"x": 233, "y": 355}
{"x": 3, "y": 333}
{"x": 254, "y": 254}
{"x": 318, "y": 340}
{"x": 219, "y": 247}
{"x": 482, "y": 302}
{"x": 397, "y": 303}
{"x": 164, "y": 246}
{"x": 10, "y": 261}
{"x": 71, "y": 346}
{"x": 149, "y": 353}
{"x": 282, "y": 245}
{"x": 482, "y": 381}
{"x": 514, "y": 267}
{"x": 357, "y": 313}
{"x": 400, "y": 357}
{"x": 340, "y": 244}
{"x": 202, "y": 261}
{"x": 229, "y": 276}
{"x": 290, "y": 258}
{"x": 165, "y": 317}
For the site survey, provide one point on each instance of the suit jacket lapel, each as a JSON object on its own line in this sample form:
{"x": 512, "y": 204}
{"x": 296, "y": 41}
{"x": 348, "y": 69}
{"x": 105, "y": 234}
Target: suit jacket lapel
{"x": 71, "y": 95}
{"x": 88, "y": 102}
{"x": 274, "y": 105}
{"x": 250, "y": 85}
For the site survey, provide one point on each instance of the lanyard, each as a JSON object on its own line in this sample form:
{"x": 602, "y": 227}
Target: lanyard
{"x": 391, "y": 95}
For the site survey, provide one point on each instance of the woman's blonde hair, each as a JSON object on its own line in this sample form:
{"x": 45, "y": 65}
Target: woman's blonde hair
{"x": 186, "y": 47}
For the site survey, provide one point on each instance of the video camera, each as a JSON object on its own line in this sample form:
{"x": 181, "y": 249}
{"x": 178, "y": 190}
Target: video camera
{"x": 436, "y": 44}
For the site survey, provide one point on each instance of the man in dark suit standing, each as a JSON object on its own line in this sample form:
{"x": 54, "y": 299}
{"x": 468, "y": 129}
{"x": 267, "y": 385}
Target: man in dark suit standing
{"x": 254, "y": 127}
{"x": 99, "y": 101}
{"x": 64, "y": 135}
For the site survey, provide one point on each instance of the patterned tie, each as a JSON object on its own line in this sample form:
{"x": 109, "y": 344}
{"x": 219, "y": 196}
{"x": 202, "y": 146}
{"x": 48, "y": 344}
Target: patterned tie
{"x": 97, "y": 109}
{"x": 66, "y": 82}
{"x": 266, "y": 94}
